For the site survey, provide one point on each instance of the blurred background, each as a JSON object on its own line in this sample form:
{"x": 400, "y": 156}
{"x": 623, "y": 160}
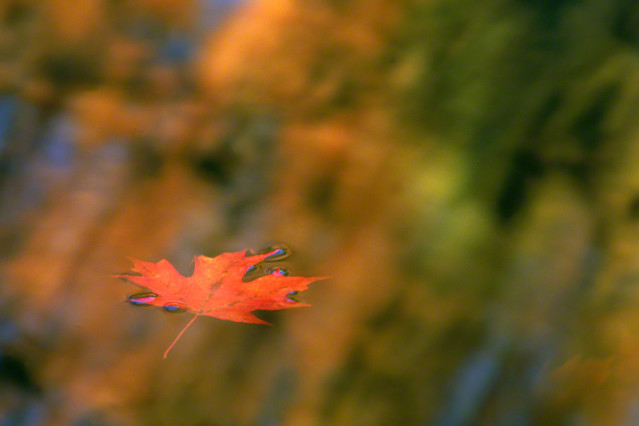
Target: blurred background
{"x": 467, "y": 171}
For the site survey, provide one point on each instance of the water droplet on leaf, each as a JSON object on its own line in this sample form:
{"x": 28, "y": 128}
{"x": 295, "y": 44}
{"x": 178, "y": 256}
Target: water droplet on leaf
{"x": 141, "y": 299}
{"x": 290, "y": 297}
{"x": 281, "y": 252}
{"x": 174, "y": 307}
{"x": 253, "y": 272}
{"x": 279, "y": 270}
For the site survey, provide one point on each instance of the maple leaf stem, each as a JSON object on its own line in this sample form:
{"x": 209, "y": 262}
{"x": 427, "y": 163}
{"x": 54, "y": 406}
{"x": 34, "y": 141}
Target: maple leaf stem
{"x": 166, "y": 352}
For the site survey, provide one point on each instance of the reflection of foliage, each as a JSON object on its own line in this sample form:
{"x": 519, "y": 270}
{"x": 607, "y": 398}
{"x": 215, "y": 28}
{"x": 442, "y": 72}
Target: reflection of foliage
{"x": 538, "y": 101}
{"x": 466, "y": 170}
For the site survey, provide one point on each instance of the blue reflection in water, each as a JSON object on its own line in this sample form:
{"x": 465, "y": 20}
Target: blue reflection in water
{"x": 58, "y": 143}
{"x": 7, "y": 109}
{"x": 212, "y": 12}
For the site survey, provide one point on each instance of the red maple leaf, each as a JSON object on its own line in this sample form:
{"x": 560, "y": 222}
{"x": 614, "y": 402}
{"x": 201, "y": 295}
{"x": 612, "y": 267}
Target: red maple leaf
{"x": 220, "y": 287}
